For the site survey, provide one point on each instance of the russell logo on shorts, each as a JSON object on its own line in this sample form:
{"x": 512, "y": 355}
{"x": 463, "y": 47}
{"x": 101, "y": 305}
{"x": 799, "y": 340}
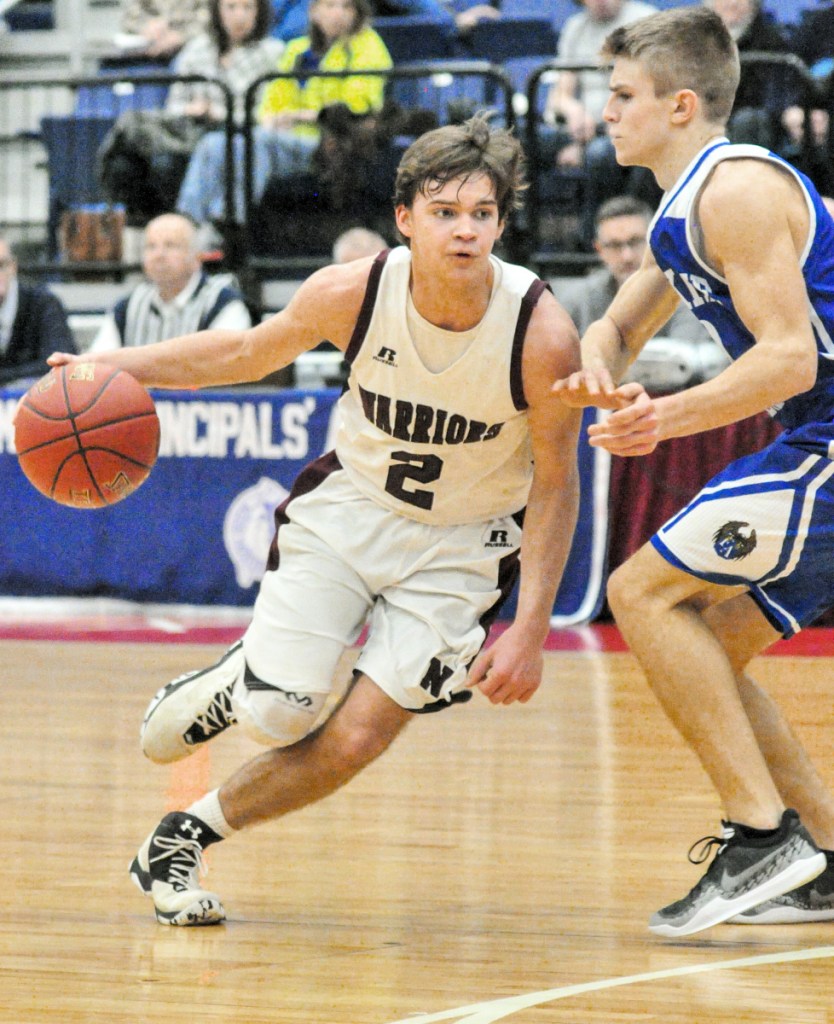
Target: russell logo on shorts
{"x": 734, "y": 540}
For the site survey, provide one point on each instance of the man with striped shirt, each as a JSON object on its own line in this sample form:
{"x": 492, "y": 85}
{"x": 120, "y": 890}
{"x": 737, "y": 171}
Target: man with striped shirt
{"x": 178, "y": 296}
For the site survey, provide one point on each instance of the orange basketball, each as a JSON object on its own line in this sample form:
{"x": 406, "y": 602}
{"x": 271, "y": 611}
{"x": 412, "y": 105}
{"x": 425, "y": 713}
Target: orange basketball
{"x": 87, "y": 435}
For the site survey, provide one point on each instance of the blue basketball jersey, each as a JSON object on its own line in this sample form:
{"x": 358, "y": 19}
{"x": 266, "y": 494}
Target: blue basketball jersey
{"x": 808, "y": 418}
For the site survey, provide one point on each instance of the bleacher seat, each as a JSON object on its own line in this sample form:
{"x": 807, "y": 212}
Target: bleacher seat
{"x": 31, "y": 16}
{"x": 789, "y": 12}
{"x": 413, "y": 39}
{"x": 555, "y": 11}
{"x": 508, "y": 38}
{"x": 108, "y": 100}
{"x": 443, "y": 93}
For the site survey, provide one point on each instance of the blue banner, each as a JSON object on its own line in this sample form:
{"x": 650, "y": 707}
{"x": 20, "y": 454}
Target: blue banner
{"x": 198, "y": 530}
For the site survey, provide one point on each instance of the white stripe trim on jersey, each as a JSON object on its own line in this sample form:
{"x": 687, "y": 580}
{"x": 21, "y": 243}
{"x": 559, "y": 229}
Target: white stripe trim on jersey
{"x": 824, "y": 338}
{"x": 762, "y": 478}
{"x": 599, "y": 540}
{"x": 804, "y": 522}
{"x": 778, "y": 610}
{"x": 746, "y": 481}
{"x": 677, "y": 198}
{"x": 741, "y": 152}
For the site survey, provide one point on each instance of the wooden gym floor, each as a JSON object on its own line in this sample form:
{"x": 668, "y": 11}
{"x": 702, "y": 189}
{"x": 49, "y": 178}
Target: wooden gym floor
{"x": 495, "y": 865}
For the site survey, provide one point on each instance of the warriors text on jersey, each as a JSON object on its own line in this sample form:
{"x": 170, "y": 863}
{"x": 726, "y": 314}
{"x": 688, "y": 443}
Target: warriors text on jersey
{"x": 808, "y": 418}
{"x": 443, "y": 447}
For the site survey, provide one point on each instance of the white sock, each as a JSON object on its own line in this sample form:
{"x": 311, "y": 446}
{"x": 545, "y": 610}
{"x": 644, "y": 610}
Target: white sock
{"x": 208, "y": 809}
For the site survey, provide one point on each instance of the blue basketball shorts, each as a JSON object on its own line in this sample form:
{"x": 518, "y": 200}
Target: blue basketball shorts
{"x": 767, "y": 522}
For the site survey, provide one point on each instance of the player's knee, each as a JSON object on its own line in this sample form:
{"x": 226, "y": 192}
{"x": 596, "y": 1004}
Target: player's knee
{"x": 275, "y": 716}
{"x": 623, "y": 590}
{"x": 359, "y": 743}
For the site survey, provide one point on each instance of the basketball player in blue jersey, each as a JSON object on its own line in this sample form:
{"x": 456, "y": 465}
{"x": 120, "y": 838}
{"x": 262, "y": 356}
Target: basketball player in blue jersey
{"x": 746, "y": 241}
{"x": 448, "y": 434}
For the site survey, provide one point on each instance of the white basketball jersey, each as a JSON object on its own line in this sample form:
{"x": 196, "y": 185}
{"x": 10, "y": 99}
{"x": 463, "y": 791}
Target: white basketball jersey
{"x": 443, "y": 448}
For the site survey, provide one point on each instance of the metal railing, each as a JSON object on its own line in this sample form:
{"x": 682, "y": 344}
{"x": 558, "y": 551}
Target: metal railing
{"x": 38, "y": 179}
{"x": 496, "y": 94}
{"x": 54, "y": 127}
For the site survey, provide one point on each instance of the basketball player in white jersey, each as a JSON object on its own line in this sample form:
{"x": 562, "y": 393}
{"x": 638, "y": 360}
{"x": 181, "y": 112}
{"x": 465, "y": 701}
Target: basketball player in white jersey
{"x": 747, "y": 242}
{"x": 449, "y": 433}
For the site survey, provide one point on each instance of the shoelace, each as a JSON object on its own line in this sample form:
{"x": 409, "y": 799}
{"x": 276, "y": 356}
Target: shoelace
{"x": 706, "y": 844}
{"x": 218, "y": 715}
{"x": 186, "y": 860}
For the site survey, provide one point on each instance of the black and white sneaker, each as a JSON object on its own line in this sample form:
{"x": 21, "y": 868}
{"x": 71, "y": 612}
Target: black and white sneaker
{"x": 811, "y": 902}
{"x": 192, "y": 709}
{"x": 746, "y": 871}
{"x": 167, "y": 868}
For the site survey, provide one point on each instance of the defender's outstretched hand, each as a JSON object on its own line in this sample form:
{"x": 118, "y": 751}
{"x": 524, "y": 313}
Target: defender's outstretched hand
{"x": 632, "y": 429}
{"x": 594, "y": 387}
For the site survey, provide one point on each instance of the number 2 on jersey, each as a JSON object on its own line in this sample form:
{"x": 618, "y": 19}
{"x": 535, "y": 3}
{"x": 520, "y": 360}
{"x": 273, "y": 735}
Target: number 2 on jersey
{"x": 421, "y": 468}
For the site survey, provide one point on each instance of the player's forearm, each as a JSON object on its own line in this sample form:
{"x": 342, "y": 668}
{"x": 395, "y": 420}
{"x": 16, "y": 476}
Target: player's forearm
{"x": 204, "y": 359}
{"x": 603, "y": 347}
{"x": 549, "y": 524}
{"x": 763, "y": 377}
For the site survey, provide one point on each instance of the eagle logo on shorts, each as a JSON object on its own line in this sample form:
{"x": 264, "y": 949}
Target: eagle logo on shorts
{"x": 734, "y": 540}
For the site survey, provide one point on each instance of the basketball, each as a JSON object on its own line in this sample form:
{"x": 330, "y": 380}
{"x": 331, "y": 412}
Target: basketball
{"x": 87, "y": 435}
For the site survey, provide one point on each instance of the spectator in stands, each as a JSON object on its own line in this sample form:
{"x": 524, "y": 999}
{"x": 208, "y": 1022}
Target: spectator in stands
{"x": 763, "y": 91}
{"x": 166, "y": 25}
{"x": 339, "y": 38}
{"x": 622, "y": 225}
{"x": 355, "y": 243}
{"x": 291, "y": 15}
{"x": 236, "y": 49}
{"x": 813, "y": 40}
{"x": 177, "y": 297}
{"x": 32, "y": 323}
{"x": 145, "y": 157}
{"x": 575, "y": 103}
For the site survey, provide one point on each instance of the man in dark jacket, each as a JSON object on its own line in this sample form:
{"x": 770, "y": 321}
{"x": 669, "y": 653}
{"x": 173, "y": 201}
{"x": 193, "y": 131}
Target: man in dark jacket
{"x": 33, "y": 323}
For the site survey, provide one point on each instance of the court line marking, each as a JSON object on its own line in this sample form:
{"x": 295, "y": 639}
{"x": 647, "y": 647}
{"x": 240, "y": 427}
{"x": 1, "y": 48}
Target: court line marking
{"x": 500, "y": 1009}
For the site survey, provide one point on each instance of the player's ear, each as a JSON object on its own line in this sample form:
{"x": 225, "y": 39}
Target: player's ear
{"x": 685, "y": 103}
{"x": 402, "y": 218}
{"x": 502, "y": 223}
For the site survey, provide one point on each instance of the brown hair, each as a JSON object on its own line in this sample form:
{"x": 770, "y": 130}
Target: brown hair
{"x": 263, "y": 23}
{"x": 683, "y": 48}
{"x": 463, "y": 151}
{"x": 361, "y": 16}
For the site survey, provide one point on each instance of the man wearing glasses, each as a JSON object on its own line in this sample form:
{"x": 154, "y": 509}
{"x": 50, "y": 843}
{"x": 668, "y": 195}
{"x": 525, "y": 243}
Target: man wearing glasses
{"x": 685, "y": 351}
{"x": 33, "y": 323}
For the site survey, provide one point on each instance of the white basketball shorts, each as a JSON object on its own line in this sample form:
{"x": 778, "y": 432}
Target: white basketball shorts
{"x": 428, "y": 594}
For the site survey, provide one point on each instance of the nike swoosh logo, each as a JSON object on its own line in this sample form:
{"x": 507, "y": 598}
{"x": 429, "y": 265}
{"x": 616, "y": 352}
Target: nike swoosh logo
{"x": 729, "y": 881}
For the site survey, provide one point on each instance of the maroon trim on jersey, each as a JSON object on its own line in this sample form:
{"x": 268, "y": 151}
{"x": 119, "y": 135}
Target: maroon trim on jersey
{"x": 363, "y": 321}
{"x": 312, "y": 476}
{"x": 528, "y": 304}
{"x": 508, "y": 572}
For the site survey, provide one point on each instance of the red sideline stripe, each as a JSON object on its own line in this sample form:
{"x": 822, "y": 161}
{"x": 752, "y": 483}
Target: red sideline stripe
{"x": 599, "y": 637}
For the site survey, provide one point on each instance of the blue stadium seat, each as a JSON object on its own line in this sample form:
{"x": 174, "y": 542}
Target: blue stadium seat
{"x": 108, "y": 100}
{"x": 555, "y": 11}
{"x": 442, "y": 92}
{"x": 508, "y": 38}
{"x": 72, "y": 145}
{"x": 789, "y": 12}
{"x": 31, "y": 16}
{"x": 413, "y": 39}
